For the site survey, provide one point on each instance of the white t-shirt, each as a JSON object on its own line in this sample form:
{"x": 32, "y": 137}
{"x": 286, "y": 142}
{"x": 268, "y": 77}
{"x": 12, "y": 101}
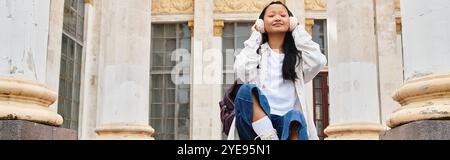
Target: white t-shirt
{"x": 279, "y": 92}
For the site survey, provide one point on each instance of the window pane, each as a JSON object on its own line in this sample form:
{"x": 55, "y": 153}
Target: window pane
{"x": 171, "y": 45}
{"x": 185, "y": 44}
{"x": 183, "y": 129}
{"x": 170, "y": 31}
{"x": 69, "y": 86}
{"x": 157, "y": 60}
{"x": 169, "y": 64}
{"x": 75, "y": 110}
{"x": 70, "y": 20}
{"x": 157, "y": 96}
{"x": 63, "y": 69}
{"x": 81, "y": 7}
{"x": 157, "y": 81}
{"x": 80, "y": 28}
{"x": 71, "y": 49}
{"x": 170, "y": 96}
{"x": 169, "y": 111}
{"x": 183, "y": 96}
{"x": 183, "y": 111}
{"x": 69, "y": 71}
{"x": 318, "y": 82}
{"x": 157, "y": 30}
{"x": 71, "y": 62}
{"x": 319, "y": 34}
{"x": 156, "y": 111}
{"x": 171, "y": 99}
{"x": 243, "y": 29}
{"x": 170, "y": 126}
{"x": 62, "y": 87}
{"x": 184, "y": 31}
{"x": 228, "y": 30}
{"x": 76, "y": 95}
{"x": 318, "y": 111}
{"x": 158, "y": 44}
{"x": 318, "y": 96}
{"x": 319, "y": 125}
{"x": 67, "y": 109}
{"x": 240, "y": 42}
{"x": 64, "y": 46}
{"x": 157, "y": 125}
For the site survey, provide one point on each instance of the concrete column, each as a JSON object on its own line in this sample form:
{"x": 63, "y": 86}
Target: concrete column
{"x": 297, "y": 7}
{"x": 425, "y": 95}
{"x": 54, "y": 47}
{"x": 390, "y": 61}
{"x": 23, "y": 62}
{"x": 90, "y": 84}
{"x": 206, "y": 75}
{"x": 354, "y": 93}
{"x": 124, "y": 69}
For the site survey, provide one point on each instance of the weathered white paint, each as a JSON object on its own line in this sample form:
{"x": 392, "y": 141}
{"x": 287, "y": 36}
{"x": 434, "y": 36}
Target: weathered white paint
{"x": 127, "y": 96}
{"x": 389, "y": 59}
{"x": 205, "y": 114}
{"x": 353, "y": 92}
{"x": 125, "y": 62}
{"x": 90, "y": 83}
{"x": 24, "y": 29}
{"x": 425, "y": 37}
{"x": 353, "y": 71}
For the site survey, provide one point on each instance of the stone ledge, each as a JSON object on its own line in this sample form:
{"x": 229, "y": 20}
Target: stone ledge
{"x": 24, "y": 130}
{"x": 420, "y": 130}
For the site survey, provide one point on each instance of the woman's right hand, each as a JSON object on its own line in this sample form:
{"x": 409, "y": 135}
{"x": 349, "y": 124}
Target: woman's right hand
{"x": 259, "y": 26}
{"x": 254, "y": 28}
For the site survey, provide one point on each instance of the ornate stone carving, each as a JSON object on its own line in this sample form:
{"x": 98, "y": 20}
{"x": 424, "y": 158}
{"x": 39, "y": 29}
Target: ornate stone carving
{"x": 240, "y": 6}
{"x": 218, "y": 28}
{"x": 309, "y": 25}
{"x": 172, "y": 7}
{"x": 398, "y": 22}
{"x": 316, "y": 5}
{"x": 89, "y": 2}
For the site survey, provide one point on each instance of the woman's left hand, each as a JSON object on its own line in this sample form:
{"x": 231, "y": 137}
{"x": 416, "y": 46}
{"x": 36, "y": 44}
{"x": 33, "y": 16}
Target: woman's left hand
{"x": 294, "y": 23}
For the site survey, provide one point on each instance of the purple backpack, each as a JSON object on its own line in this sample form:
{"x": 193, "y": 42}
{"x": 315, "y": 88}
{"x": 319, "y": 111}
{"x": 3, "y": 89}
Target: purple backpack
{"x": 227, "y": 106}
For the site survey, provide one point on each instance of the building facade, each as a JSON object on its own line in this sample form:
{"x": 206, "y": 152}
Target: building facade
{"x": 157, "y": 69}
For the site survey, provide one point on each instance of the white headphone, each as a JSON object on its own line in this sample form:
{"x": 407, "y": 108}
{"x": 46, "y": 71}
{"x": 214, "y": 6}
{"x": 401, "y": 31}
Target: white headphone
{"x": 260, "y": 24}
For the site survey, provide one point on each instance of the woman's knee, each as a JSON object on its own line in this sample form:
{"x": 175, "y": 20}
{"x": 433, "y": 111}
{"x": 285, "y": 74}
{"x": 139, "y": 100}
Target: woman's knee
{"x": 245, "y": 91}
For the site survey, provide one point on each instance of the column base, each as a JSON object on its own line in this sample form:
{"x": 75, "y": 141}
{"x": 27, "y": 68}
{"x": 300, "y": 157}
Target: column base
{"x": 424, "y": 98}
{"x": 24, "y": 130}
{"x": 420, "y": 130}
{"x": 27, "y": 100}
{"x": 125, "y": 132}
{"x": 354, "y": 131}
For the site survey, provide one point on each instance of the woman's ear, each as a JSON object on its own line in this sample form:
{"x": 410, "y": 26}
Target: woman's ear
{"x": 260, "y": 25}
{"x": 293, "y": 24}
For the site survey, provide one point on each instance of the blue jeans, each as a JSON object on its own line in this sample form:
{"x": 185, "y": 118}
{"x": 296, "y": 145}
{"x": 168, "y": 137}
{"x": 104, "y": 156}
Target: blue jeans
{"x": 244, "y": 116}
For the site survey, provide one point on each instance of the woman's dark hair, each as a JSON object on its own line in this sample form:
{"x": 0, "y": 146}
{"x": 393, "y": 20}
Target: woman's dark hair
{"x": 290, "y": 51}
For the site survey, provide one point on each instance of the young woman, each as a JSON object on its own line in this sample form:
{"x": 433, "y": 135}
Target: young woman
{"x": 277, "y": 61}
